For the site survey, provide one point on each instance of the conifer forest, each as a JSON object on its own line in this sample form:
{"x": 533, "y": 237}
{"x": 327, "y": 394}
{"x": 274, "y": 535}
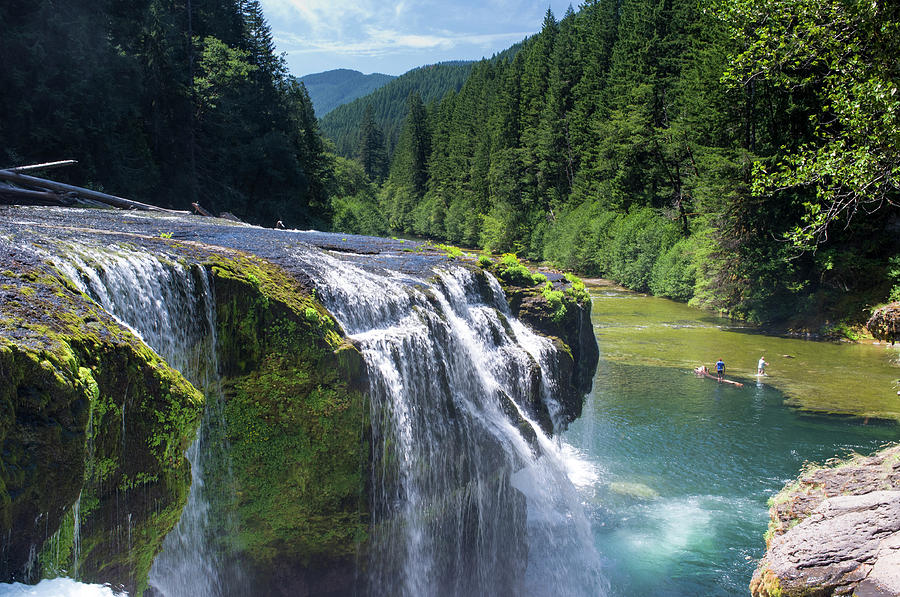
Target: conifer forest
{"x": 741, "y": 155}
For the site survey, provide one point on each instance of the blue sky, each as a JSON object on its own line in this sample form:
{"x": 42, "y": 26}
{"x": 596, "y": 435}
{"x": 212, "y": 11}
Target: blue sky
{"x": 392, "y": 37}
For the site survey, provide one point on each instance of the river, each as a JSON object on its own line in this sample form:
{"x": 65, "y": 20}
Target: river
{"x": 676, "y": 470}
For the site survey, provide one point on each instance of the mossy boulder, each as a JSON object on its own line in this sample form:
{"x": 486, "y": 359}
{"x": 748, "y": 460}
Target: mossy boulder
{"x": 297, "y": 420}
{"x": 93, "y": 424}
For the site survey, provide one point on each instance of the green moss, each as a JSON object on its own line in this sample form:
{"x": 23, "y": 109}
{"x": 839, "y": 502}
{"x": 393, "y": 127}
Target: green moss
{"x": 556, "y": 301}
{"x": 296, "y": 418}
{"x": 68, "y": 373}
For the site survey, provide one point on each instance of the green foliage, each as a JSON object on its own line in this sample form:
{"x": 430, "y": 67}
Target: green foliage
{"x": 555, "y": 299}
{"x": 484, "y": 261}
{"x": 615, "y": 142}
{"x": 342, "y": 125}
{"x": 512, "y": 271}
{"x": 577, "y": 289}
{"x": 354, "y": 203}
{"x": 165, "y": 104}
{"x": 894, "y": 276}
{"x": 450, "y": 251}
{"x": 844, "y": 54}
{"x": 372, "y": 153}
{"x": 675, "y": 271}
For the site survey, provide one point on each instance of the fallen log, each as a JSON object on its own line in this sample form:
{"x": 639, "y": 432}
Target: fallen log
{"x": 33, "y": 181}
{"x": 30, "y": 197}
{"x": 44, "y": 166}
{"x": 704, "y": 372}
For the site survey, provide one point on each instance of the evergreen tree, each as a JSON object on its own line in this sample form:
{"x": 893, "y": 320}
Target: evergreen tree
{"x": 372, "y": 154}
{"x": 407, "y": 182}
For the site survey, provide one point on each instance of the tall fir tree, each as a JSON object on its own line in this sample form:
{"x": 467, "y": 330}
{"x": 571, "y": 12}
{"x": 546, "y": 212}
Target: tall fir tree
{"x": 372, "y": 153}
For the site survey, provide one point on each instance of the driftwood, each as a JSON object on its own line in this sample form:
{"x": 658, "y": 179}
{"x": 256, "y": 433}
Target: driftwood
{"x": 44, "y": 166}
{"x": 43, "y": 183}
{"x": 17, "y": 195}
{"x": 703, "y": 371}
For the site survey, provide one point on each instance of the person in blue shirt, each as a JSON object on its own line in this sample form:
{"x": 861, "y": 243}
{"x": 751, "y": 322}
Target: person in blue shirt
{"x": 720, "y": 369}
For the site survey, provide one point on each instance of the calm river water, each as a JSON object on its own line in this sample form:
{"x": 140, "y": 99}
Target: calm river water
{"x": 676, "y": 470}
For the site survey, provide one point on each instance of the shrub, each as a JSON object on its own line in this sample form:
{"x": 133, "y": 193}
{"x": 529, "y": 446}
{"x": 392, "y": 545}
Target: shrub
{"x": 577, "y": 290}
{"x": 358, "y": 214}
{"x": 555, "y": 300}
{"x": 512, "y": 271}
{"x": 675, "y": 272}
{"x": 639, "y": 239}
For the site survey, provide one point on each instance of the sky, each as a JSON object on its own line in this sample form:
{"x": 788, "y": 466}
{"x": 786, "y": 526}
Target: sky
{"x": 392, "y": 37}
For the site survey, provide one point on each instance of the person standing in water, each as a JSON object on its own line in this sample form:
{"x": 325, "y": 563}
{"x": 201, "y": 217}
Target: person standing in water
{"x": 761, "y": 366}
{"x": 720, "y": 369}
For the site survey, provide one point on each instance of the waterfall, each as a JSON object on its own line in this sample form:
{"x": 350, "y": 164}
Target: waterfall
{"x": 171, "y": 307}
{"x": 469, "y": 495}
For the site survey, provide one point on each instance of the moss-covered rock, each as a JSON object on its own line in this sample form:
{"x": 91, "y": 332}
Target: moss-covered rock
{"x": 560, "y": 310}
{"x": 297, "y": 417}
{"x": 90, "y": 419}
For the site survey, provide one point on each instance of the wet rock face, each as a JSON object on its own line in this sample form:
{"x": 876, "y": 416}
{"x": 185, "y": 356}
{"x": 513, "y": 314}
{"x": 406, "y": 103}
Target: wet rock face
{"x": 578, "y": 354}
{"x": 836, "y": 532}
{"x": 68, "y": 373}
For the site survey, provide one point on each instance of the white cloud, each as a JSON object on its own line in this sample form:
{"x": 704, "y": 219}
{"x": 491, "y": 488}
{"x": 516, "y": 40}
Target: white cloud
{"x": 354, "y": 32}
{"x": 379, "y": 42}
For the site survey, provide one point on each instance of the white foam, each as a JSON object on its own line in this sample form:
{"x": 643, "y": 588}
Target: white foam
{"x": 59, "y": 587}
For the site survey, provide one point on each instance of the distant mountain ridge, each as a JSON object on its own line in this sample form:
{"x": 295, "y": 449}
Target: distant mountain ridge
{"x": 333, "y": 88}
{"x": 431, "y": 82}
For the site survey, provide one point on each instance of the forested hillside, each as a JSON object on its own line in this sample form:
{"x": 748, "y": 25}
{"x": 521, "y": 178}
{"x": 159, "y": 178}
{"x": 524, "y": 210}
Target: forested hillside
{"x": 742, "y": 155}
{"x": 342, "y": 125}
{"x": 333, "y": 88}
{"x": 162, "y": 101}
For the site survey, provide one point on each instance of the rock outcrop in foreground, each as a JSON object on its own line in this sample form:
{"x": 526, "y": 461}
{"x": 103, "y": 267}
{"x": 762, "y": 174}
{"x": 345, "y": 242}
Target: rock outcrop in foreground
{"x": 836, "y": 531}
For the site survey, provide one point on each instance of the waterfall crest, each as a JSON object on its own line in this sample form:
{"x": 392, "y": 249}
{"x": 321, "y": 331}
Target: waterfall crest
{"x": 469, "y": 496}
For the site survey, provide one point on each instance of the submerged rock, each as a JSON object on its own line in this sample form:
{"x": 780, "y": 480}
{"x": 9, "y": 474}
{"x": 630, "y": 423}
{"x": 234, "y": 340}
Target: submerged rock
{"x": 836, "y": 531}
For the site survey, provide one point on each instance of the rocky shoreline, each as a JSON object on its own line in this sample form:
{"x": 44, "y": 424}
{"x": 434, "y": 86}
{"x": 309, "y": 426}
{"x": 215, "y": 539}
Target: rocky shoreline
{"x": 835, "y": 531}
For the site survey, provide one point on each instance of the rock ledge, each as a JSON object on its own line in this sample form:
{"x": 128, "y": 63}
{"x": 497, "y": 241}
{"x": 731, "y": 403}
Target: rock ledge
{"x": 836, "y": 531}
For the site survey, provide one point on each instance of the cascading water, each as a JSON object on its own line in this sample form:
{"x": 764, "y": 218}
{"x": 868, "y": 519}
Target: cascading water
{"x": 469, "y": 495}
{"x": 171, "y": 307}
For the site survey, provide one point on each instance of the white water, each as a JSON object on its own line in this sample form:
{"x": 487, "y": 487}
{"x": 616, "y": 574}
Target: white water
{"x": 58, "y": 587}
{"x": 169, "y": 306}
{"x": 465, "y": 501}
{"x": 470, "y": 496}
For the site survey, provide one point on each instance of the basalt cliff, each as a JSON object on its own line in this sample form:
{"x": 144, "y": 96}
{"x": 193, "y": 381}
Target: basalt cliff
{"x": 127, "y": 338}
{"x": 835, "y": 531}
